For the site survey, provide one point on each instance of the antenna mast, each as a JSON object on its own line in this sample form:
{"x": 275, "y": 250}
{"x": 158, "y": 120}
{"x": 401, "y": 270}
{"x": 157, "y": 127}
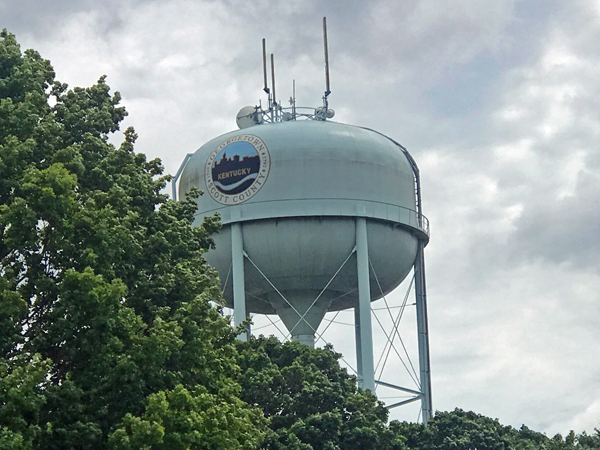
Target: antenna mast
{"x": 275, "y": 111}
{"x": 294, "y": 99}
{"x": 264, "y": 45}
{"x": 327, "y": 88}
{"x": 273, "y": 78}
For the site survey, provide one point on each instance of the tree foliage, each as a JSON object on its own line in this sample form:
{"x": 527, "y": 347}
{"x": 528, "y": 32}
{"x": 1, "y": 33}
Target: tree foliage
{"x": 466, "y": 430}
{"x": 311, "y": 403}
{"x": 107, "y": 334}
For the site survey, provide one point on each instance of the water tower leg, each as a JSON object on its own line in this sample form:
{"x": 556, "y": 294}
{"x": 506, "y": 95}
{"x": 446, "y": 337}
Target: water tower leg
{"x": 359, "y": 366}
{"x": 364, "y": 330}
{"x": 423, "y": 331}
{"x": 237, "y": 269}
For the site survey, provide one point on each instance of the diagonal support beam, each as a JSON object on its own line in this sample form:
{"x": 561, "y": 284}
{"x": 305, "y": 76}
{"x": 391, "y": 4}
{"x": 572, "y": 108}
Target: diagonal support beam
{"x": 302, "y": 318}
{"x": 405, "y": 402}
{"x": 278, "y": 291}
{"x": 399, "y": 388}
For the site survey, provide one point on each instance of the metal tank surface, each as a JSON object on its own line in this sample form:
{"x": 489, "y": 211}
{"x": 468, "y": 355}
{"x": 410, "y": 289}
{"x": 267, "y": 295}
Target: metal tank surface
{"x": 295, "y": 189}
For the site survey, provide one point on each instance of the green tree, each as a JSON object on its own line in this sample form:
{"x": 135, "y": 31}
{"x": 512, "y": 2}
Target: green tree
{"x": 460, "y": 430}
{"x": 310, "y": 401}
{"x": 107, "y": 333}
{"x": 467, "y": 430}
{"x": 585, "y": 441}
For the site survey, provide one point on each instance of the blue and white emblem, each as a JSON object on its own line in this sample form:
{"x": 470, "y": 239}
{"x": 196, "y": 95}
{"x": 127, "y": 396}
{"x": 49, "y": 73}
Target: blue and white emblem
{"x": 237, "y": 169}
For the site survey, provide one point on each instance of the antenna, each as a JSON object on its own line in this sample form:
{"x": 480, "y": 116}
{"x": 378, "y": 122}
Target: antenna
{"x": 273, "y": 78}
{"x": 327, "y": 89}
{"x": 275, "y": 111}
{"x": 264, "y": 45}
{"x": 294, "y": 99}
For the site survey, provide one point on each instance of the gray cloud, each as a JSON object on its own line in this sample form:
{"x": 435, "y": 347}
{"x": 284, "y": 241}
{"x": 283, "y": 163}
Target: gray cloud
{"x": 565, "y": 230}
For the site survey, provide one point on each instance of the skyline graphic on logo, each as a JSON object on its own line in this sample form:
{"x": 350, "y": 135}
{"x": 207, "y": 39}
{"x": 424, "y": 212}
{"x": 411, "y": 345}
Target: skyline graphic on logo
{"x": 235, "y": 168}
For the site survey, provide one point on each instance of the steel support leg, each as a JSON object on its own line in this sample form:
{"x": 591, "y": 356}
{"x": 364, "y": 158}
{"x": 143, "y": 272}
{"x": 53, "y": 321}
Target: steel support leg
{"x": 237, "y": 269}
{"x": 423, "y": 333}
{"x": 359, "y": 364}
{"x": 364, "y": 329}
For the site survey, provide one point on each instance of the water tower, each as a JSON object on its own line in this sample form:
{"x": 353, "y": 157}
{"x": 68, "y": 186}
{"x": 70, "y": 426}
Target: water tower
{"x": 317, "y": 216}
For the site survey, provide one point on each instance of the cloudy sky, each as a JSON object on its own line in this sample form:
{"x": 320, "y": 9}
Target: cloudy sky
{"x": 499, "y": 103}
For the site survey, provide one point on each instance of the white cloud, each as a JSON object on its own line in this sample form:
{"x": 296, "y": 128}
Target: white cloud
{"x": 588, "y": 419}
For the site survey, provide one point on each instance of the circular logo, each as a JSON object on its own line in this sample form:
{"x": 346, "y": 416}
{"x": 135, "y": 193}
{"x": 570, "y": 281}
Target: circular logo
{"x": 237, "y": 169}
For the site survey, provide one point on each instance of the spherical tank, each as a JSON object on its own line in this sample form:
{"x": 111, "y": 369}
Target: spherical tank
{"x": 297, "y": 188}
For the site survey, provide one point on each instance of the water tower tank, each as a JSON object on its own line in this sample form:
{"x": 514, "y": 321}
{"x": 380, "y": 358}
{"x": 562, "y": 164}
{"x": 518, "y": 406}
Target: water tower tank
{"x": 298, "y": 190}
{"x": 317, "y": 216}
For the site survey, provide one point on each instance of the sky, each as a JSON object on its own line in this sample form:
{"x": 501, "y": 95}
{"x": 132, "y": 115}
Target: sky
{"x": 499, "y": 104}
